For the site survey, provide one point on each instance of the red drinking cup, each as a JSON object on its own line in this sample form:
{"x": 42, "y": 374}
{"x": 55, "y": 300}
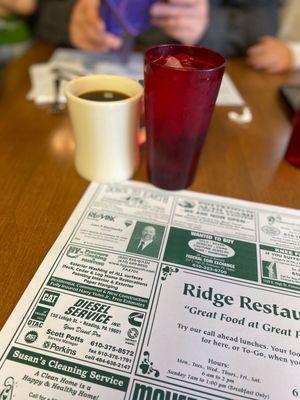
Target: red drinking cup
{"x": 181, "y": 88}
{"x": 292, "y": 154}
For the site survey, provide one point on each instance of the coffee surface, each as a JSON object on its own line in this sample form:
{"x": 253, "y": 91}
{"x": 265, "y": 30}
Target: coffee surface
{"x": 104, "y": 95}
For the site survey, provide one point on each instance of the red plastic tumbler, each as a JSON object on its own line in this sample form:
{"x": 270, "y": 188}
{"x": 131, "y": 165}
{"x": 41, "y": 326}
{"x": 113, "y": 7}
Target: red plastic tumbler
{"x": 293, "y": 151}
{"x": 181, "y": 88}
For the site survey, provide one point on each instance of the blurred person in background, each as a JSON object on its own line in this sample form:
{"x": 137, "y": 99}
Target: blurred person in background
{"x": 14, "y": 31}
{"x": 282, "y": 53}
{"x": 227, "y": 26}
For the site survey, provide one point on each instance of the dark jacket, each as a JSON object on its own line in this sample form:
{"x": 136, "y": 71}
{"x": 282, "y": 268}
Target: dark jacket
{"x": 152, "y": 249}
{"x": 234, "y": 24}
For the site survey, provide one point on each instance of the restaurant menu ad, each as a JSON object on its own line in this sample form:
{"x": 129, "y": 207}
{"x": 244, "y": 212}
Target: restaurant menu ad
{"x": 156, "y": 295}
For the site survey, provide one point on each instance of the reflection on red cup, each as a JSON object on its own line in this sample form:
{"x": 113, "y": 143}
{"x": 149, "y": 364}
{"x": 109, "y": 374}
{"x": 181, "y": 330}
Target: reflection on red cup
{"x": 292, "y": 154}
{"x": 181, "y": 87}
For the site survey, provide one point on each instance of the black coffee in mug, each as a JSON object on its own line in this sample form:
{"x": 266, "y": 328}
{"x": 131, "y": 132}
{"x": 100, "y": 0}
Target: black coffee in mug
{"x": 104, "y": 95}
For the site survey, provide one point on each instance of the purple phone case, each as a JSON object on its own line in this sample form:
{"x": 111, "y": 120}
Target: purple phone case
{"x": 134, "y": 13}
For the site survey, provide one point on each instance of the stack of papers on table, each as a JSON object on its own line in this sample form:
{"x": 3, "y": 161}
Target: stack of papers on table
{"x": 71, "y": 63}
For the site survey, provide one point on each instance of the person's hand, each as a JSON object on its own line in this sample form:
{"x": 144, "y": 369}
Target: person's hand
{"x": 270, "y": 54}
{"x": 24, "y": 7}
{"x": 182, "y": 20}
{"x": 87, "y": 29}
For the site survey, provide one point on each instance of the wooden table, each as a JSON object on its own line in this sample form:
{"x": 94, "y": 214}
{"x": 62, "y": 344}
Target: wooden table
{"x": 40, "y": 188}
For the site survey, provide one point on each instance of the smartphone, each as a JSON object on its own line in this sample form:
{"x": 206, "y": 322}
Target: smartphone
{"x": 126, "y": 16}
{"x": 291, "y": 95}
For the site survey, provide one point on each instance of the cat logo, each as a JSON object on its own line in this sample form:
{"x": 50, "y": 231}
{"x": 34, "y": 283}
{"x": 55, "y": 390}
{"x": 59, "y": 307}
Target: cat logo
{"x": 49, "y": 298}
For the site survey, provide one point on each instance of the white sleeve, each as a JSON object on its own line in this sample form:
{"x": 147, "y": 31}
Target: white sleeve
{"x": 295, "y": 49}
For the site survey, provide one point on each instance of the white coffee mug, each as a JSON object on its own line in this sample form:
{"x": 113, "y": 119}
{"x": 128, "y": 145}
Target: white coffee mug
{"x": 105, "y": 132}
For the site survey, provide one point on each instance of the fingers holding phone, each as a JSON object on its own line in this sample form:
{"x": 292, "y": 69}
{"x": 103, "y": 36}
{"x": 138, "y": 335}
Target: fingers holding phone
{"x": 87, "y": 29}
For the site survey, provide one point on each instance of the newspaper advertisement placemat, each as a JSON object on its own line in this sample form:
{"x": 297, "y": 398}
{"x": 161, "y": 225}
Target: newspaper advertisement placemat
{"x": 155, "y": 295}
